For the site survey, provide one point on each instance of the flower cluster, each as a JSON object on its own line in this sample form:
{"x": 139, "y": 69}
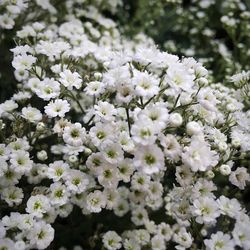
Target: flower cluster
{"x": 105, "y": 125}
{"x": 222, "y": 27}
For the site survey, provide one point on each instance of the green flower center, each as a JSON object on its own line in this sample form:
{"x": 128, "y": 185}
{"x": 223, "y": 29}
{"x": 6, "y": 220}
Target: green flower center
{"x": 150, "y": 159}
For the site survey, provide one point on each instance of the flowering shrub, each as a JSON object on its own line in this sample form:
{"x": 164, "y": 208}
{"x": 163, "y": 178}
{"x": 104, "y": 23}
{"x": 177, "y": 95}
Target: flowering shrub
{"x": 118, "y": 145}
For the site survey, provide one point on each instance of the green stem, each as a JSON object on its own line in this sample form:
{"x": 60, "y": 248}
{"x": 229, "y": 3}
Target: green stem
{"x": 76, "y": 100}
{"x": 128, "y": 120}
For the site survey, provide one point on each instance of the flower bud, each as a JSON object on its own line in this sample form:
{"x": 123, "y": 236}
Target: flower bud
{"x": 203, "y": 81}
{"x": 40, "y": 126}
{"x": 193, "y": 128}
{"x": 98, "y": 75}
{"x": 222, "y": 146}
{"x": 73, "y": 158}
{"x": 175, "y": 119}
{"x": 200, "y": 71}
{"x": 225, "y": 169}
{"x": 236, "y": 143}
{"x": 42, "y": 155}
{"x": 203, "y": 232}
{"x": 87, "y": 151}
{"x": 210, "y": 174}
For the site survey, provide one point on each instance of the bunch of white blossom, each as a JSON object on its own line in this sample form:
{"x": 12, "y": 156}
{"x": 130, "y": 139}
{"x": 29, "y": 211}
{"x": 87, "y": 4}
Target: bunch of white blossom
{"x": 222, "y": 27}
{"x": 101, "y": 123}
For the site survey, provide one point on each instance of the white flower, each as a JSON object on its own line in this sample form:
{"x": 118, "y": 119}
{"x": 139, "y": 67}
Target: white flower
{"x": 172, "y": 148}
{"x": 74, "y": 134}
{"x": 126, "y": 169}
{"x": 41, "y": 235}
{"x": 241, "y": 234}
{"x": 6, "y": 21}
{"x": 111, "y": 240}
{"x": 142, "y": 236}
{"x": 155, "y": 190}
{"x": 7, "y": 106}
{"x": 6, "y": 243}
{"x": 215, "y": 135}
{"x": 149, "y": 159}
{"x": 52, "y": 49}
{"x": 19, "y": 144}
{"x": 140, "y": 181}
{"x": 198, "y": 155}
{"x": 240, "y": 78}
{"x": 203, "y": 188}
{"x": 4, "y": 152}
{"x": 184, "y": 175}
{"x": 9, "y": 176}
{"x": 121, "y": 207}
{"x": 242, "y": 138}
{"x": 95, "y": 201}
{"x": 111, "y": 197}
{"x": 31, "y": 114}
{"x": 131, "y": 244}
{"x": 76, "y": 181}
{"x": 105, "y": 111}
{"x": 20, "y": 161}
{"x": 112, "y": 152}
{"x": 12, "y": 195}
{"x": 57, "y": 107}
{"x": 20, "y": 245}
{"x": 239, "y": 177}
{"x": 70, "y": 80}
{"x": 60, "y": 125}
{"x": 219, "y": 241}
{"x": 95, "y": 161}
{"x": 37, "y": 173}
{"x": 57, "y": 170}
{"x": 125, "y": 93}
{"x": 157, "y": 113}
{"x": 158, "y": 243}
{"x": 117, "y": 76}
{"x": 108, "y": 176}
{"x": 23, "y": 62}
{"x": 101, "y": 132}
{"x": 48, "y": 89}
{"x": 34, "y": 84}
{"x": 59, "y": 194}
{"x": 179, "y": 78}
{"x": 95, "y": 88}
{"x": 183, "y": 238}
{"x": 139, "y": 216}
{"x": 146, "y": 85}
{"x": 126, "y": 142}
{"x": 38, "y": 205}
{"x": 165, "y": 231}
{"x": 22, "y": 96}
{"x": 4, "y": 166}
{"x": 206, "y": 210}
{"x": 207, "y": 99}
{"x": 229, "y": 207}
{"x": 143, "y": 132}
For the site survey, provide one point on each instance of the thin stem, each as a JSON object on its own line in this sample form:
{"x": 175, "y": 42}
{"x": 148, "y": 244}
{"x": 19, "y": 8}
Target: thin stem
{"x": 76, "y": 100}
{"x": 175, "y": 103}
{"x": 128, "y": 120}
{"x": 92, "y": 117}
